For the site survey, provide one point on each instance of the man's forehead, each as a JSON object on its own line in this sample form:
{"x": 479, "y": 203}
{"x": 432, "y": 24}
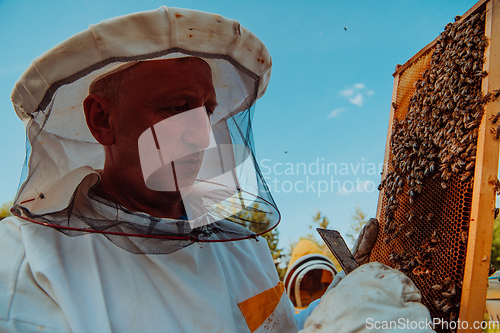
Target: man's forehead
{"x": 176, "y": 65}
{"x": 172, "y": 75}
{"x": 155, "y": 74}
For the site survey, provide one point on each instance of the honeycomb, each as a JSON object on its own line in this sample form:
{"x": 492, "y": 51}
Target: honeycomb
{"x": 427, "y": 185}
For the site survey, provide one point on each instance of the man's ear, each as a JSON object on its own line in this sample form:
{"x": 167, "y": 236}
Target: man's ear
{"x": 97, "y": 113}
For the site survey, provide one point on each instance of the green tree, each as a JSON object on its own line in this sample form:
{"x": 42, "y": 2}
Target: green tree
{"x": 321, "y": 220}
{"x": 358, "y": 222}
{"x": 495, "y": 245}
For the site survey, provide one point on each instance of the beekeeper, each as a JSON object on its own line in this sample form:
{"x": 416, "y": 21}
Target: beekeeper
{"x": 141, "y": 186}
{"x": 308, "y": 275}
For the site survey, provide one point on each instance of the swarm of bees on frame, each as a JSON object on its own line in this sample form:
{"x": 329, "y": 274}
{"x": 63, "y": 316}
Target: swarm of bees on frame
{"x": 450, "y": 300}
{"x": 437, "y": 141}
{"x": 418, "y": 262}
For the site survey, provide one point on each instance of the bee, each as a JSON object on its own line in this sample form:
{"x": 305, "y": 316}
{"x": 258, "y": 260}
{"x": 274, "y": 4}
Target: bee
{"x": 437, "y": 287}
{"x": 470, "y": 165}
{"x": 465, "y": 176}
{"x": 413, "y": 262}
{"x": 452, "y": 290}
{"x": 446, "y": 308}
{"x": 453, "y": 316}
{"x": 40, "y": 195}
{"x": 434, "y": 238}
{"x": 495, "y": 118}
{"x": 487, "y": 97}
{"x": 492, "y": 270}
{"x": 447, "y": 281}
{"x": 482, "y": 74}
{"x": 418, "y": 271}
{"x": 496, "y": 185}
{"x": 391, "y": 208}
{"x": 464, "y": 236}
{"x": 440, "y": 303}
{"x": 411, "y": 217}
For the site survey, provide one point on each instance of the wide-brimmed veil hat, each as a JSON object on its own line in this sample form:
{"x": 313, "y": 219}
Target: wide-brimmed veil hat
{"x": 229, "y": 200}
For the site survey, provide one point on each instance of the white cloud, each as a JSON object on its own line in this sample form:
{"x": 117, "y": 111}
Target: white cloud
{"x": 355, "y": 187}
{"x": 347, "y": 92}
{"x": 344, "y": 192}
{"x": 335, "y": 112}
{"x": 357, "y": 94}
{"x": 365, "y": 186}
{"x": 357, "y": 100}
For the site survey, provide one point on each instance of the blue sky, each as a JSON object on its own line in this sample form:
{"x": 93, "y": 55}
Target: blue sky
{"x": 322, "y": 124}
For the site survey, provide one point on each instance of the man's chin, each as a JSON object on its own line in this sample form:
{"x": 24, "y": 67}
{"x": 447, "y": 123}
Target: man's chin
{"x": 179, "y": 187}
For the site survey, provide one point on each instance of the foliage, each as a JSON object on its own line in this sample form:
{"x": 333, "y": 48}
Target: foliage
{"x": 260, "y": 223}
{"x": 495, "y": 260}
{"x": 495, "y": 246}
{"x": 4, "y": 210}
{"x": 319, "y": 221}
{"x": 492, "y": 326}
{"x": 359, "y": 221}
{"x": 322, "y": 221}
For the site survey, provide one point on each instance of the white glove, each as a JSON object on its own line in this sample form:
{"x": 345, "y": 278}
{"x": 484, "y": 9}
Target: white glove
{"x": 365, "y": 242}
{"x": 370, "y": 299}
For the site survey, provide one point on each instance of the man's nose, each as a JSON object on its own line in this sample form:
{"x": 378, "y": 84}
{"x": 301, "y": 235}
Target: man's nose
{"x": 198, "y": 128}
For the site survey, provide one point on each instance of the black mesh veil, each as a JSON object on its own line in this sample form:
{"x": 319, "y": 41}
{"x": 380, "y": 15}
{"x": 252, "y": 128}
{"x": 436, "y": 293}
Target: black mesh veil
{"x": 218, "y": 180}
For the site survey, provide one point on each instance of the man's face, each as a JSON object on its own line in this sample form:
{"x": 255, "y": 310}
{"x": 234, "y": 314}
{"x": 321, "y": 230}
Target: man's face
{"x": 167, "y": 101}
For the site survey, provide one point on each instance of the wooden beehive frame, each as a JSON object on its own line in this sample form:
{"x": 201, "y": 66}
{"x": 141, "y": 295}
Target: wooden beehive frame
{"x": 483, "y": 200}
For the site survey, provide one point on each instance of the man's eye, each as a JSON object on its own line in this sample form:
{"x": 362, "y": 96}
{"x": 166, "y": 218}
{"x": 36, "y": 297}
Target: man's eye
{"x": 172, "y": 110}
